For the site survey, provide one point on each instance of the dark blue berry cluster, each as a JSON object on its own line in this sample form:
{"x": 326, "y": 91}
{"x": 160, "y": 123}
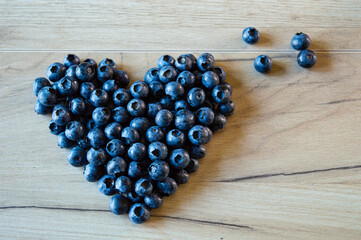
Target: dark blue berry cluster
{"x": 139, "y": 143}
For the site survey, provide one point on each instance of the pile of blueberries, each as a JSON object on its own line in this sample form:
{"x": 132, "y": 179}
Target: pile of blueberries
{"x": 138, "y": 143}
{"x": 300, "y": 41}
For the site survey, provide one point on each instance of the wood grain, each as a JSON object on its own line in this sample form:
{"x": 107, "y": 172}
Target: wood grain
{"x": 287, "y": 166}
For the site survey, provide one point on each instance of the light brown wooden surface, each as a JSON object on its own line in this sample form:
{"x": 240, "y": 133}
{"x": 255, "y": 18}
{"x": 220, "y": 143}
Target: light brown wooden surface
{"x": 287, "y": 166}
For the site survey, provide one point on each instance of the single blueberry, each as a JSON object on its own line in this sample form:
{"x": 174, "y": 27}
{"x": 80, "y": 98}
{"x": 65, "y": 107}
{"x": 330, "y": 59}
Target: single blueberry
{"x": 117, "y": 166}
{"x": 196, "y": 97}
{"x": 175, "y": 138}
{"x": 153, "y": 200}
{"x": 113, "y": 130}
{"x": 77, "y": 157}
{"x": 167, "y": 186}
{"x": 164, "y": 118}
{"x": 198, "y": 135}
{"x": 96, "y": 156}
{"x": 84, "y": 143}
{"x": 61, "y": 115}
{"x": 205, "y": 116}
{"x": 93, "y": 173}
{"x": 85, "y": 72}
{"x": 101, "y": 116}
{"x": 120, "y": 115}
{"x": 135, "y": 169}
{"x": 218, "y": 123}
{"x": 141, "y": 124}
{"x": 139, "y": 213}
{"x": 167, "y": 74}
{"x": 64, "y": 142}
{"x": 77, "y": 106}
{"x": 151, "y": 75}
{"x": 220, "y": 73}
{"x": 250, "y": 35}
{"x": 104, "y": 73}
{"x": 187, "y": 79}
{"x": 300, "y": 41}
{"x": 108, "y": 62}
{"x": 181, "y": 105}
{"x": 99, "y": 98}
{"x": 143, "y": 187}
{"x": 130, "y": 135}
{"x": 179, "y": 158}
{"x": 137, "y": 151}
{"x": 92, "y": 62}
{"x": 86, "y": 88}
{"x": 121, "y": 77}
{"x": 111, "y": 86}
{"x": 166, "y": 102}
{"x": 197, "y": 151}
{"x": 192, "y": 166}
{"x": 306, "y": 58}
{"x": 174, "y": 90}
{"x": 226, "y": 108}
{"x": 106, "y": 185}
{"x": 154, "y": 134}
{"x": 119, "y": 204}
{"x": 71, "y": 60}
{"x": 123, "y": 184}
{"x": 181, "y": 176}
{"x": 184, "y": 119}
{"x": 153, "y": 109}
{"x": 205, "y": 62}
{"x": 96, "y": 137}
{"x": 221, "y": 94}
{"x": 139, "y": 89}
{"x": 56, "y": 71}
{"x": 136, "y": 107}
{"x": 158, "y": 170}
{"x": 156, "y": 89}
{"x": 39, "y": 83}
{"x": 74, "y": 130}
{"x": 263, "y": 63}
{"x": 42, "y": 109}
{"x": 47, "y": 96}
{"x": 210, "y": 80}
{"x": 121, "y": 97}
{"x": 184, "y": 62}
{"x": 115, "y": 148}
{"x": 71, "y": 72}
{"x": 68, "y": 86}
{"x": 165, "y": 60}
{"x": 55, "y": 129}
{"x": 157, "y": 151}
{"x": 228, "y": 86}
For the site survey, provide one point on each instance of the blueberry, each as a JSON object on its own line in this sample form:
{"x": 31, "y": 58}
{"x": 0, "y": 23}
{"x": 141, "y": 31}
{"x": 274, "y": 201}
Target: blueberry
{"x": 106, "y": 185}
{"x": 158, "y": 170}
{"x": 166, "y": 102}
{"x": 174, "y": 90}
{"x": 263, "y": 63}
{"x": 143, "y": 187}
{"x": 151, "y": 75}
{"x": 135, "y": 169}
{"x": 210, "y": 80}
{"x": 184, "y": 119}
{"x": 205, "y": 62}
{"x": 137, "y": 151}
{"x": 121, "y": 97}
{"x": 181, "y": 105}
{"x": 226, "y": 108}
{"x": 93, "y": 173}
{"x": 132, "y": 196}
{"x": 184, "y": 62}
{"x": 108, "y": 62}
{"x": 205, "y": 116}
{"x": 92, "y": 62}
{"x": 167, "y": 186}
{"x": 83, "y": 143}
{"x": 117, "y": 166}
{"x": 123, "y": 184}
{"x": 198, "y": 135}
{"x": 47, "y": 96}
{"x": 56, "y": 71}
{"x": 115, "y": 148}
{"x": 120, "y": 115}
{"x": 119, "y": 204}
{"x": 196, "y": 97}
{"x": 85, "y": 72}
{"x": 42, "y": 109}
{"x": 154, "y": 134}
{"x": 130, "y": 135}
{"x": 55, "y": 129}
{"x": 187, "y": 79}
{"x": 136, "y": 107}
{"x": 300, "y": 41}
{"x": 64, "y": 142}
{"x": 250, "y": 35}
{"x": 221, "y": 94}
{"x": 157, "y": 151}
{"x": 197, "y": 151}
{"x": 165, "y": 60}
{"x": 153, "y": 109}
{"x": 90, "y": 125}
{"x": 192, "y": 166}
{"x": 153, "y": 200}
{"x": 39, "y": 83}
{"x": 306, "y": 58}
{"x": 175, "y": 138}
{"x": 122, "y": 77}
{"x": 167, "y": 74}
{"x": 77, "y": 157}
{"x": 104, "y": 73}
{"x": 218, "y": 123}
{"x": 71, "y": 71}
{"x": 96, "y": 156}
{"x": 86, "y": 88}
{"x": 164, "y": 118}
{"x": 74, "y": 130}
{"x": 220, "y": 73}
{"x": 179, "y": 158}
{"x": 68, "y": 86}
{"x": 194, "y": 60}
{"x": 96, "y": 137}
{"x": 111, "y": 86}
{"x": 61, "y": 115}
{"x": 156, "y": 89}
{"x": 181, "y": 176}
{"x": 139, "y": 213}
{"x": 77, "y": 106}
{"x": 113, "y": 130}
{"x": 101, "y": 116}
{"x": 71, "y": 60}
{"x": 139, "y": 89}
{"x": 141, "y": 124}
{"x": 99, "y": 98}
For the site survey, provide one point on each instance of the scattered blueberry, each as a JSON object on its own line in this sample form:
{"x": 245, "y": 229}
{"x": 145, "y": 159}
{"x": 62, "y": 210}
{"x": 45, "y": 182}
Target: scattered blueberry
{"x": 192, "y": 166}
{"x": 263, "y": 63}
{"x": 96, "y": 137}
{"x": 300, "y": 41}
{"x": 121, "y": 97}
{"x": 130, "y": 135}
{"x": 136, "y": 107}
{"x": 42, "y": 109}
{"x": 306, "y": 58}
{"x": 250, "y": 35}
{"x": 104, "y": 73}
{"x": 167, "y": 74}
{"x": 74, "y": 130}
{"x": 99, "y": 98}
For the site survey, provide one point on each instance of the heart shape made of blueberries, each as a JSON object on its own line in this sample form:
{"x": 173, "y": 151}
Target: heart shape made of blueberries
{"x": 138, "y": 143}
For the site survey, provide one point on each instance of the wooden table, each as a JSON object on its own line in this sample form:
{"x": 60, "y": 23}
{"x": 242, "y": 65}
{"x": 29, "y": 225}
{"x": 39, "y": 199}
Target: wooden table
{"x": 287, "y": 166}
